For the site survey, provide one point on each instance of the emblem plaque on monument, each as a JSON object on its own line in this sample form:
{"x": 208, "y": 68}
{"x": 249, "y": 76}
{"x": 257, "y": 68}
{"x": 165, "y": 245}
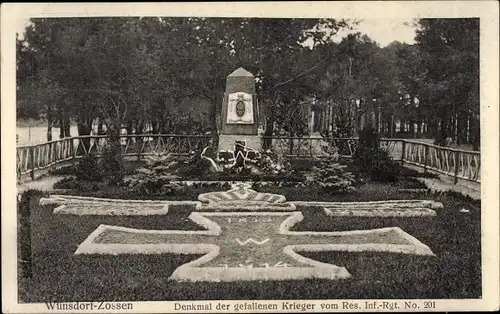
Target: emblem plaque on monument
{"x": 239, "y": 114}
{"x": 240, "y": 108}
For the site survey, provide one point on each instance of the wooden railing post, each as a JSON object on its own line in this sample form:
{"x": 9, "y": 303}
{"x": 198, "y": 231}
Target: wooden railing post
{"x": 139, "y": 145}
{"x": 74, "y": 149}
{"x": 32, "y": 158}
{"x": 455, "y": 176}
{"x": 426, "y": 157}
{"x": 49, "y": 157}
{"x": 403, "y": 148}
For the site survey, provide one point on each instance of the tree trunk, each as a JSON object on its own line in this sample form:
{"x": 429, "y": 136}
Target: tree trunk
{"x": 49, "y": 125}
{"x": 214, "y": 123}
{"x": 392, "y": 126}
{"x": 268, "y": 132}
{"x": 112, "y": 162}
{"x": 476, "y": 134}
{"x": 432, "y": 128}
{"x": 442, "y": 133}
{"x": 64, "y": 124}
{"x": 84, "y": 144}
{"x": 130, "y": 127}
{"x": 100, "y": 127}
{"x": 67, "y": 126}
{"x": 138, "y": 129}
{"x": 419, "y": 128}
{"x": 61, "y": 123}
{"x": 161, "y": 128}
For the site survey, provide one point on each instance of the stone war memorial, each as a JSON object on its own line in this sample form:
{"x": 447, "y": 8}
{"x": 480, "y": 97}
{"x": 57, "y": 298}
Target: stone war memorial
{"x": 240, "y": 112}
{"x": 258, "y": 173}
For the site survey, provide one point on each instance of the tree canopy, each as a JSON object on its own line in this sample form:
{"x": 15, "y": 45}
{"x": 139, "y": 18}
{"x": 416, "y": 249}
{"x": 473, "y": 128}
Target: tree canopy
{"x": 169, "y": 73}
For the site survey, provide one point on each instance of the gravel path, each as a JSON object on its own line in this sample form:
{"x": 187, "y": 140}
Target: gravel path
{"x": 43, "y": 184}
{"x": 440, "y": 186}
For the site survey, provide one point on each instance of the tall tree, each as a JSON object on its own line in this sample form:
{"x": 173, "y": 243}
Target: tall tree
{"x": 450, "y": 62}
{"x": 139, "y": 71}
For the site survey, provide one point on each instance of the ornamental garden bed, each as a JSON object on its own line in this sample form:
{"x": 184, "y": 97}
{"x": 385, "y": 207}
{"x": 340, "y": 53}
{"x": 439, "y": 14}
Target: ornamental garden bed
{"x": 293, "y": 190}
{"x": 455, "y": 271}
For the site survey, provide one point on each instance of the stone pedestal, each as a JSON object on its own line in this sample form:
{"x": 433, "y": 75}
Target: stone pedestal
{"x": 226, "y": 141}
{"x": 240, "y": 112}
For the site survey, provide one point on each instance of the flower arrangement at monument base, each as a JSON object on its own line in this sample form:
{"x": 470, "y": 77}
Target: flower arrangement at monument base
{"x": 273, "y": 163}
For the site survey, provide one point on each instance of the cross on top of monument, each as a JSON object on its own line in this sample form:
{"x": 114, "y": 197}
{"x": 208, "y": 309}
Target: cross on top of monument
{"x": 240, "y": 72}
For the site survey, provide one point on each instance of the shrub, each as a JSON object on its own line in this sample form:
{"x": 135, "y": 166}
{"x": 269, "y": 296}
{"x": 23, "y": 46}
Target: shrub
{"x": 88, "y": 169}
{"x": 71, "y": 183}
{"x": 372, "y": 161}
{"x": 156, "y": 178}
{"x": 25, "y": 202}
{"x": 237, "y": 173}
{"x": 195, "y": 166}
{"x": 152, "y": 184}
{"x": 272, "y": 163}
{"x": 111, "y": 164}
{"x": 332, "y": 177}
{"x": 302, "y": 163}
{"x": 160, "y": 162}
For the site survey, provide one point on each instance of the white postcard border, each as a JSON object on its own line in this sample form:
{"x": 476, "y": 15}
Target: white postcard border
{"x": 487, "y": 11}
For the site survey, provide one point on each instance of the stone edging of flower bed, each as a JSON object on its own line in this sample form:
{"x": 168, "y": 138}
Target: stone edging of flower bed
{"x": 229, "y": 183}
{"x": 388, "y": 203}
{"x": 380, "y": 212}
{"x": 82, "y": 205}
{"x": 194, "y": 271}
{"x": 390, "y": 208}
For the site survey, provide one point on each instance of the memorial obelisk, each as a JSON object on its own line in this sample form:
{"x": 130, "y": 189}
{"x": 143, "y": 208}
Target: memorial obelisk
{"x": 239, "y": 114}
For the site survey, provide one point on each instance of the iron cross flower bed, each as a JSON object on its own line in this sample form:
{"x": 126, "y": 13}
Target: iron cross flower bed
{"x": 253, "y": 242}
{"x": 249, "y": 246}
{"x": 251, "y": 228}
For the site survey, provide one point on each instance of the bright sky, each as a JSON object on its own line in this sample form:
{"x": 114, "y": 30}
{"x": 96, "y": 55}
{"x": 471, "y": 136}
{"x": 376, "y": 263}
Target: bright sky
{"x": 383, "y": 31}
{"x": 21, "y": 26}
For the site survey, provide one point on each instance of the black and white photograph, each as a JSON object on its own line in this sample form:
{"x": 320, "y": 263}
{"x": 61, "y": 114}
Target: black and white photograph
{"x": 235, "y": 158}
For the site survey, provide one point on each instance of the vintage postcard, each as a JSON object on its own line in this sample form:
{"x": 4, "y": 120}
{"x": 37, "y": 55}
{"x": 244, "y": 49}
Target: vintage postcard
{"x": 250, "y": 157}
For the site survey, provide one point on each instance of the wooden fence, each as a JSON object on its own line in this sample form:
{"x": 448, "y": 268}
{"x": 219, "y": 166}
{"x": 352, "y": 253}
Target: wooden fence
{"x": 456, "y": 163}
{"x": 318, "y": 146}
{"x": 35, "y": 160}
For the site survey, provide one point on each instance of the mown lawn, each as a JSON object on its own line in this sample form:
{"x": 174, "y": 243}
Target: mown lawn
{"x": 455, "y": 271}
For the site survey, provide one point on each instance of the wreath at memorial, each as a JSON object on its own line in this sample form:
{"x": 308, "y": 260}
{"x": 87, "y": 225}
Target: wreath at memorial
{"x": 242, "y": 158}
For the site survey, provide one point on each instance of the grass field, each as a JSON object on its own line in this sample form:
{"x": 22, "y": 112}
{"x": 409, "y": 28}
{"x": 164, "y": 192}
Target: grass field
{"x": 455, "y": 271}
